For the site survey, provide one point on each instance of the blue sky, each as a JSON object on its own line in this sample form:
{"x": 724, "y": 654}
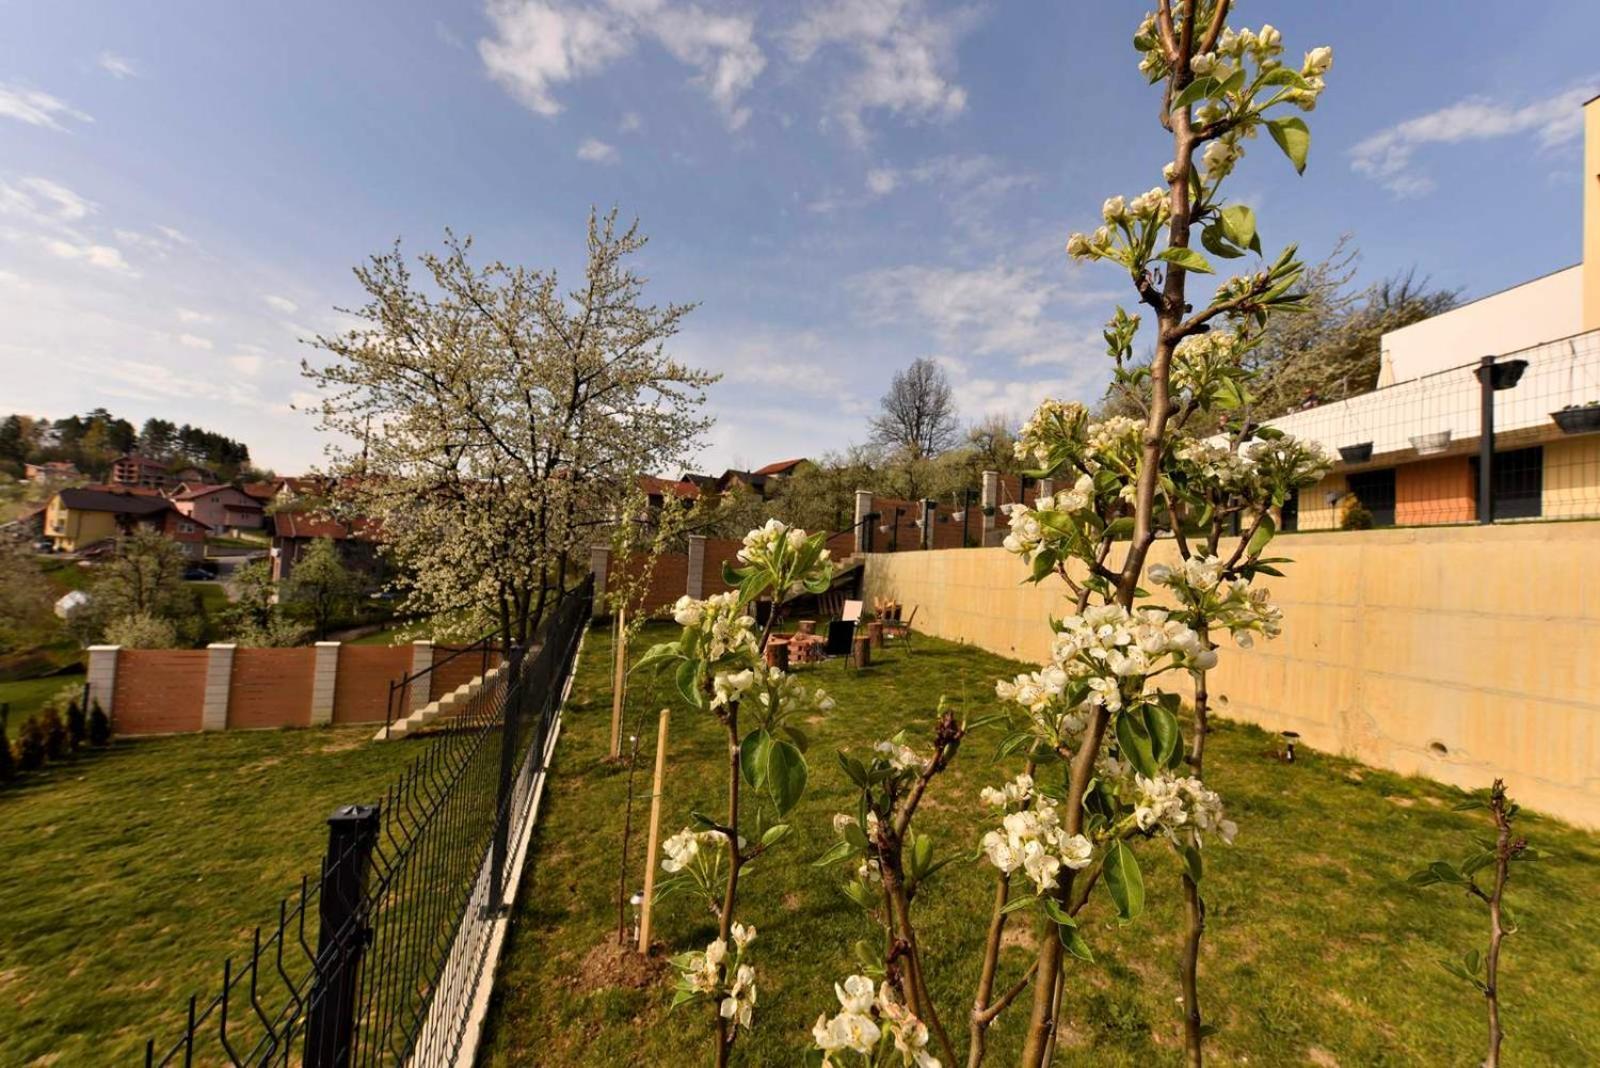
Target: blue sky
{"x": 845, "y": 185}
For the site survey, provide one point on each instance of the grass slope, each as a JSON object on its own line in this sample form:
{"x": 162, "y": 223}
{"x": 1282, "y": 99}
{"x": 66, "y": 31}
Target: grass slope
{"x": 1317, "y": 951}
{"x": 130, "y": 874}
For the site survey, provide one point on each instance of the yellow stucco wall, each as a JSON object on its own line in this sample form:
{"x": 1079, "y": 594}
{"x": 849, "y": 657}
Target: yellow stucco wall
{"x": 1460, "y": 653}
{"x": 1591, "y": 215}
{"x": 1571, "y": 478}
{"x": 72, "y": 529}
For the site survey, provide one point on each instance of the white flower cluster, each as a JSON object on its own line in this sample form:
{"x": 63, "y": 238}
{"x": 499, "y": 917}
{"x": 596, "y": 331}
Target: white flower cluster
{"x": 729, "y": 687}
{"x": 1109, "y": 640}
{"x": 1217, "y": 464}
{"x": 1014, "y": 794}
{"x": 1035, "y": 842}
{"x": 1180, "y": 808}
{"x": 679, "y": 851}
{"x": 1040, "y": 692}
{"x": 1243, "y": 609}
{"x": 702, "y": 973}
{"x": 864, "y": 1018}
{"x": 790, "y": 693}
{"x": 900, "y": 757}
{"x": 722, "y": 626}
{"x": 1027, "y": 534}
{"x": 761, "y": 544}
{"x": 1052, "y": 421}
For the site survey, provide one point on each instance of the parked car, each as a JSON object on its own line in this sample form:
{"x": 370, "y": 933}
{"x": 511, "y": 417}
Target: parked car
{"x": 44, "y": 545}
{"x": 197, "y": 574}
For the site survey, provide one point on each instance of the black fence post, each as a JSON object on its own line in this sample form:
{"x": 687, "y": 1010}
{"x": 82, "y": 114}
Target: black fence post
{"x": 1486, "y": 440}
{"x": 510, "y": 723}
{"x": 342, "y": 937}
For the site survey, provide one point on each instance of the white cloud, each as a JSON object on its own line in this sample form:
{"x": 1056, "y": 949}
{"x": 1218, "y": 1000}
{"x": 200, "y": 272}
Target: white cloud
{"x": 282, "y": 304}
{"x": 630, "y": 123}
{"x": 189, "y": 315}
{"x": 246, "y": 364}
{"x": 540, "y": 45}
{"x": 118, "y": 67}
{"x": 904, "y": 58}
{"x": 36, "y": 107}
{"x": 882, "y": 180}
{"x": 66, "y": 204}
{"x": 194, "y": 341}
{"x": 999, "y": 310}
{"x": 596, "y": 151}
{"x": 105, "y": 257}
{"x": 1388, "y": 156}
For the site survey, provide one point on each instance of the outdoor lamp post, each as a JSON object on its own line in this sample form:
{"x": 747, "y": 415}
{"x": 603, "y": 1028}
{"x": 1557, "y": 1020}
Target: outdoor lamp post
{"x": 1289, "y": 738}
{"x": 1492, "y": 377}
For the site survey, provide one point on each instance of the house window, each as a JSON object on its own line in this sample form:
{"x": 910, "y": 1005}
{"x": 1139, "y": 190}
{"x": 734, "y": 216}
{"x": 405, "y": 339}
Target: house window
{"x": 1517, "y": 483}
{"x": 1375, "y": 491}
{"x": 185, "y": 527}
{"x": 1289, "y": 514}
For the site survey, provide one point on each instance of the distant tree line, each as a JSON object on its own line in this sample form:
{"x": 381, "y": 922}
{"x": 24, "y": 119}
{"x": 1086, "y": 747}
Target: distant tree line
{"x": 94, "y": 440}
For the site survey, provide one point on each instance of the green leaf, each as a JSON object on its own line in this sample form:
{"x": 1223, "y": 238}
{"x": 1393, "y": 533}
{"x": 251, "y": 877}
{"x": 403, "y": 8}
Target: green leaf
{"x": 1124, "y": 880}
{"x": 1445, "y": 873}
{"x": 1195, "y": 92}
{"x": 1017, "y": 904}
{"x": 1216, "y": 242}
{"x": 1165, "y": 739}
{"x": 1264, "y": 533}
{"x": 1135, "y": 745}
{"x": 1192, "y": 864}
{"x": 854, "y": 769}
{"x": 921, "y": 855}
{"x": 753, "y": 757}
{"x": 1072, "y": 938}
{"x": 1471, "y": 960}
{"x": 839, "y": 852}
{"x": 786, "y": 774}
{"x": 1188, "y": 259}
{"x": 730, "y": 575}
{"x": 687, "y": 678}
{"x": 1294, "y": 137}
{"x": 1044, "y": 562}
{"x": 1283, "y": 76}
{"x": 1239, "y": 223}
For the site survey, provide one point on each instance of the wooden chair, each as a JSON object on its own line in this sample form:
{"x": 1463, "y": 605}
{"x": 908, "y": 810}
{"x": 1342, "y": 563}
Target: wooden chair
{"x": 896, "y": 629}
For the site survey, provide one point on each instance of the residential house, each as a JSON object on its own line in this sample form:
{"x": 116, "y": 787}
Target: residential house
{"x": 76, "y": 519}
{"x": 220, "y": 508}
{"x": 135, "y": 470}
{"x": 51, "y": 471}
{"x": 294, "y": 531}
{"x": 1408, "y": 450}
{"x": 657, "y": 490}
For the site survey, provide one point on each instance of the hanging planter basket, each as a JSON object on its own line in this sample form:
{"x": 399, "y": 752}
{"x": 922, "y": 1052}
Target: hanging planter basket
{"x": 1431, "y": 444}
{"x": 1578, "y": 419}
{"x": 1356, "y": 454}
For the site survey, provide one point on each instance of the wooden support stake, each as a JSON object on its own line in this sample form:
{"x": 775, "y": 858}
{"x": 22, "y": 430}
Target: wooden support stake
{"x": 655, "y": 834}
{"x": 619, "y": 648}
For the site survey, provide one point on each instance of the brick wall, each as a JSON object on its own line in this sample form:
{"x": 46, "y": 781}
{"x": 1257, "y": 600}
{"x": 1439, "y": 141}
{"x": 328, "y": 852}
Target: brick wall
{"x": 159, "y": 691}
{"x": 271, "y": 688}
{"x": 361, "y": 692}
{"x": 668, "y": 581}
{"x": 718, "y": 552}
{"x": 463, "y": 669}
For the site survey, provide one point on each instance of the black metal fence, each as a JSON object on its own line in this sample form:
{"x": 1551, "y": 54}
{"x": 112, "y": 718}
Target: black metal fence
{"x": 378, "y": 959}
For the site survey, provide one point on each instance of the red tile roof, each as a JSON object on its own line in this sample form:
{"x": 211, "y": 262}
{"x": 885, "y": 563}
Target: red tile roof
{"x": 782, "y": 467}
{"x": 319, "y": 525}
{"x": 652, "y": 484}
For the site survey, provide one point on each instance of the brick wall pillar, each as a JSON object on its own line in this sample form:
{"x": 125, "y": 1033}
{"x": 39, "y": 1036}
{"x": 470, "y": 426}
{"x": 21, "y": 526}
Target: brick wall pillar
{"x": 863, "y": 509}
{"x": 990, "y": 501}
{"x": 102, "y": 676}
{"x": 600, "y": 564}
{"x": 325, "y": 674}
{"x": 695, "y": 585}
{"x": 927, "y": 523}
{"x": 421, "y": 660}
{"x": 219, "y": 681}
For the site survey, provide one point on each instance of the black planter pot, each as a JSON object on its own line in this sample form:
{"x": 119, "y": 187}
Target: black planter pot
{"x": 1585, "y": 420}
{"x": 1356, "y": 454}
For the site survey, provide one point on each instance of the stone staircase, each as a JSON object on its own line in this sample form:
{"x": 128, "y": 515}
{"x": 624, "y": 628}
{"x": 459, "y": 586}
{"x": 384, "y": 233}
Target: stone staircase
{"x": 447, "y": 707}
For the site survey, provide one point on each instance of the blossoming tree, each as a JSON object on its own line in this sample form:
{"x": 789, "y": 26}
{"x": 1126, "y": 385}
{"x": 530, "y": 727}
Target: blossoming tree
{"x": 1105, "y": 769}
{"x": 718, "y": 667}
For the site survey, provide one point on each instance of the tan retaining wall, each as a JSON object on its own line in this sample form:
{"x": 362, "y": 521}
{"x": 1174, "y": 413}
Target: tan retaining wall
{"x": 1460, "y": 653}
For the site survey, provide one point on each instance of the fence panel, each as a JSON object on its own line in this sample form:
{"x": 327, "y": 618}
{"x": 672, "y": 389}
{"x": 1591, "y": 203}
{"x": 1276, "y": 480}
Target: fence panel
{"x": 379, "y": 959}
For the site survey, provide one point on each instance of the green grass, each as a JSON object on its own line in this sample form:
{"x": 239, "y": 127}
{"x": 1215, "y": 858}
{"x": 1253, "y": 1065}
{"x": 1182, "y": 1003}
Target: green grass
{"x": 129, "y": 875}
{"x": 242, "y": 541}
{"x": 1317, "y": 951}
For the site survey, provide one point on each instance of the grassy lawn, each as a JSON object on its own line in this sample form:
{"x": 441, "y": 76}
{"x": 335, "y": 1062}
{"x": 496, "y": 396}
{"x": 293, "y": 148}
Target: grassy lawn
{"x": 1317, "y": 951}
{"x": 244, "y": 541}
{"x": 130, "y": 874}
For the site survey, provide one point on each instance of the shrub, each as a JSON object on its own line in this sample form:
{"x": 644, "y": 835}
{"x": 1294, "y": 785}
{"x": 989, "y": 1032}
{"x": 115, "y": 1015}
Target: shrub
{"x": 31, "y": 745}
{"x": 1356, "y": 516}
{"x": 99, "y": 727}
{"x": 56, "y": 744}
{"x": 141, "y": 631}
{"x": 77, "y": 725}
{"x": 8, "y": 764}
